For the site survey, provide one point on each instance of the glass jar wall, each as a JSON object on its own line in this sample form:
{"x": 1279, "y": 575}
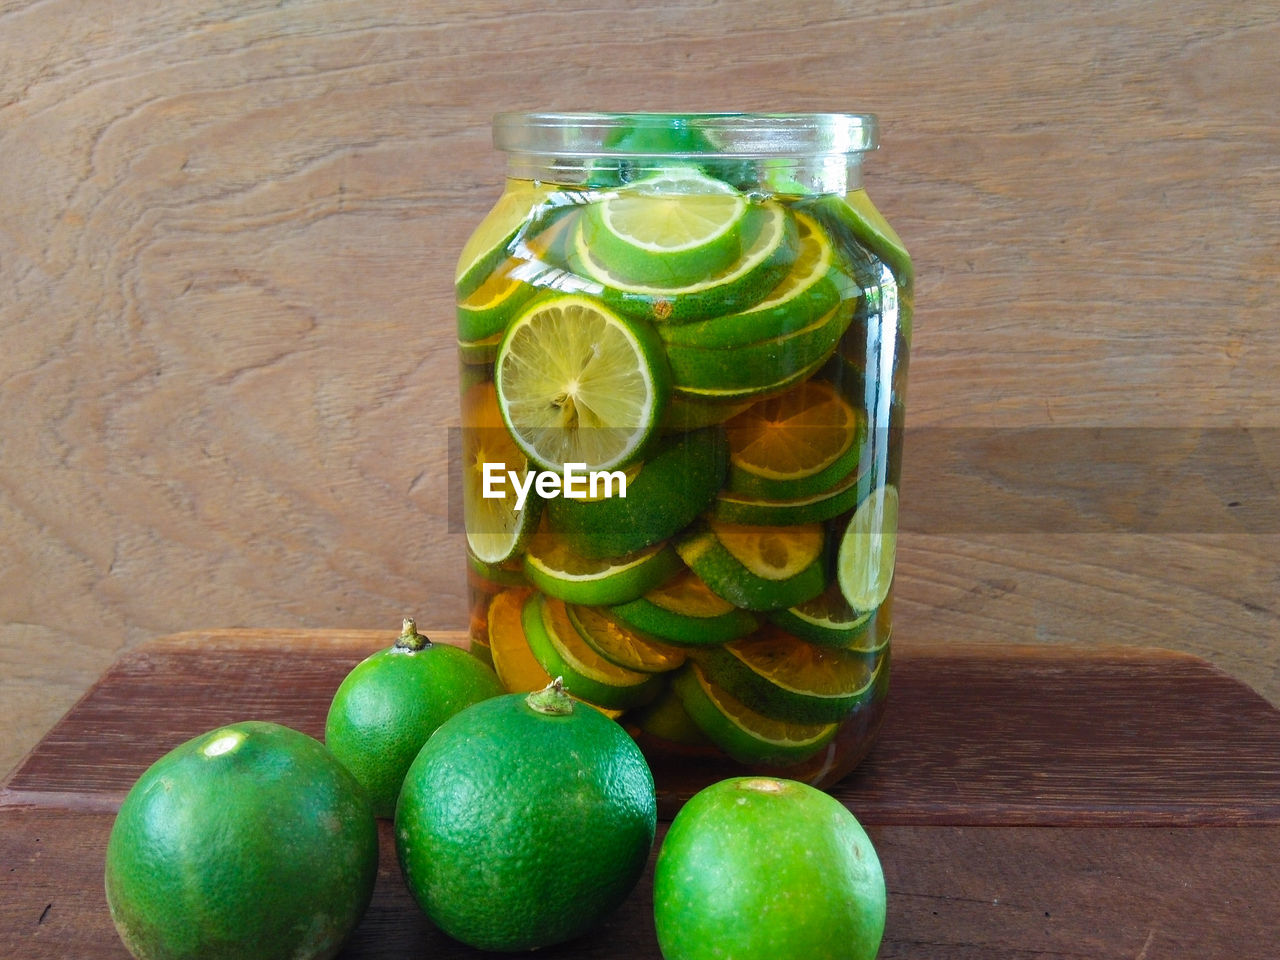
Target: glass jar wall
{"x": 683, "y": 346}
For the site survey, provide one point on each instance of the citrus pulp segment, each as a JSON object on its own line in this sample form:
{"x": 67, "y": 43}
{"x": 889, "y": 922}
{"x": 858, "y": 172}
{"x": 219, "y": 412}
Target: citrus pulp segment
{"x": 757, "y": 567}
{"x": 745, "y": 734}
{"x": 685, "y": 611}
{"x": 669, "y": 229}
{"x": 787, "y": 678}
{"x": 559, "y": 572}
{"x": 766, "y": 259}
{"x": 578, "y": 384}
{"x": 496, "y": 530}
{"x": 675, "y": 484}
{"x": 513, "y": 661}
{"x": 621, "y": 645}
{"x": 794, "y": 444}
{"x": 864, "y": 564}
{"x": 808, "y": 291}
{"x": 562, "y": 652}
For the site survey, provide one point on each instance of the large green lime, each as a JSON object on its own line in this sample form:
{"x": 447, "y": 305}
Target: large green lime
{"x": 247, "y": 841}
{"x": 524, "y": 821}
{"x": 756, "y": 868}
{"x": 391, "y": 702}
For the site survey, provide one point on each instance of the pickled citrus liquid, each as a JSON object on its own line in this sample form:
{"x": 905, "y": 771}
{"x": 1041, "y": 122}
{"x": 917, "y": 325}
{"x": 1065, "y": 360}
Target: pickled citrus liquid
{"x": 735, "y": 614}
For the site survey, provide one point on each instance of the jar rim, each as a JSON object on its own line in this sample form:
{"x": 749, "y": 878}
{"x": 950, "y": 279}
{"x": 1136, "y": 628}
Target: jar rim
{"x": 748, "y": 135}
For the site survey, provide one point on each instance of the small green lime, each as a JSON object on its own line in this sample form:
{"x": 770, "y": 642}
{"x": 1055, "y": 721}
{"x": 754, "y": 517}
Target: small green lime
{"x": 757, "y": 868}
{"x": 524, "y": 821}
{"x": 389, "y": 705}
{"x": 250, "y": 840}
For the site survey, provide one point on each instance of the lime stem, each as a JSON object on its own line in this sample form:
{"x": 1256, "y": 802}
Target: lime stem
{"x": 410, "y": 639}
{"x": 551, "y": 699}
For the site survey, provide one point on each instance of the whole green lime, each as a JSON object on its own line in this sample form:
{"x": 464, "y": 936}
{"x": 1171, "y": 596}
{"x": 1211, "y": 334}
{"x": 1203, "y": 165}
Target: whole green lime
{"x": 524, "y": 821}
{"x": 247, "y": 841}
{"x": 756, "y": 868}
{"x": 391, "y": 702}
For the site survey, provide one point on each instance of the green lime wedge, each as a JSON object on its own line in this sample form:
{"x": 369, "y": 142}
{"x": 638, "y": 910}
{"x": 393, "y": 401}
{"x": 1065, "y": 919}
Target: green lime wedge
{"x": 864, "y": 564}
{"x": 490, "y": 307}
{"x": 745, "y": 734}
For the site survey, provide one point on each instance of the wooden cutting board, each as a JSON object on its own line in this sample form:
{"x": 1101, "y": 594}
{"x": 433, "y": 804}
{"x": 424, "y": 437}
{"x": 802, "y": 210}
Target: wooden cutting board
{"x": 1026, "y": 801}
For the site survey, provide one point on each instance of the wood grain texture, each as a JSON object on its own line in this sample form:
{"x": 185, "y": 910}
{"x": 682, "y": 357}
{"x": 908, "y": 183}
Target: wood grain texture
{"x": 955, "y": 893}
{"x": 974, "y": 735}
{"x": 227, "y": 233}
{"x": 1025, "y": 801}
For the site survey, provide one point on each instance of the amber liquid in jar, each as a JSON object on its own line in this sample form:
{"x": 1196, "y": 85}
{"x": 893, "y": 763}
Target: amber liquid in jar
{"x": 728, "y": 337}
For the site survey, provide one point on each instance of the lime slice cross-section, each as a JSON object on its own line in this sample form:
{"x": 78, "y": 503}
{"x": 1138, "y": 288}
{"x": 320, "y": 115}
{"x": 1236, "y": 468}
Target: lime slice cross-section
{"x": 578, "y": 384}
{"x": 671, "y": 229}
{"x": 496, "y": 530}
{"x": 864, "y": 565}
{"x": 746, "y": 735}
{"x": 558, "y": 571}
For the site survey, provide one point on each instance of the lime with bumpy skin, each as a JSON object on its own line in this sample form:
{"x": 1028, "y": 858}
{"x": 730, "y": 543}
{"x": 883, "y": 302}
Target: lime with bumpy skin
{"x": 250, "y": 840}
{"x": 788, "y": 856}
{"x": 524, "y": 821}
{"x": 391, "y": 702}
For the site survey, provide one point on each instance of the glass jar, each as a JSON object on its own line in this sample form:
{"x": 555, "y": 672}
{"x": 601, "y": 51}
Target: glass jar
{"x": 683, "y": 343}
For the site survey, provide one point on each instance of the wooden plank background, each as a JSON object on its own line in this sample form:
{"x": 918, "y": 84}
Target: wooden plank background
{"x": 227, "y": 233}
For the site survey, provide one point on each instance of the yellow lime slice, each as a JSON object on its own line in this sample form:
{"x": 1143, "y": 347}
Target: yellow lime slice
{"x": 746, "y": 735}
{"x": 489, "y": 244}
{"x": 622, "y": 646}
{"x": 746, "y": 508}
{"x": 495, "y": 529}
{"x": 829, "y": 620}
{"x": 807, "y": 292}
{"x": 513, "y": 661}
{"x": 784, "y": 677}
{"x": 672, "y": 229}
{"x": 578, "y": 384}
{"x": 561, "y": 650}
{"x": 757, "y": 567}
{"x": 767, "y": 258}
{"x": 491, "y": 305}
{"x": 759, "y": 366}
{"x": 795, "y": 444}
{"x": 685, "y": 611}
{"x": 864, "y": 565}
{"x": 558, "y": 571}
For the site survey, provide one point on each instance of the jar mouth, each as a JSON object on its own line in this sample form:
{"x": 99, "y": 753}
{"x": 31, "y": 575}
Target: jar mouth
{"x": 745, "y": 135}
